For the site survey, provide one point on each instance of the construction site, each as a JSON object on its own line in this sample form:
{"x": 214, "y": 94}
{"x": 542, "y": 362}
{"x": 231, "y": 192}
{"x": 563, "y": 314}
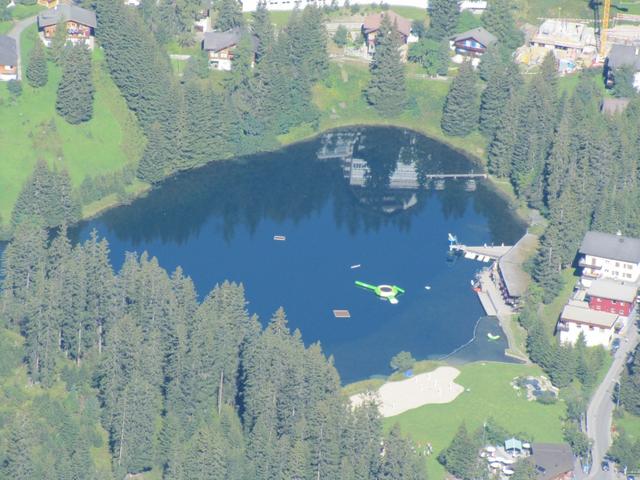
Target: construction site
{"x": 579, "y": 43}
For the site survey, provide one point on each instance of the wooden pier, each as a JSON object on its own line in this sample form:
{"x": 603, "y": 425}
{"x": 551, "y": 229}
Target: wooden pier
{"x": 454, "y": 176}
{"x": 482, "y": 252}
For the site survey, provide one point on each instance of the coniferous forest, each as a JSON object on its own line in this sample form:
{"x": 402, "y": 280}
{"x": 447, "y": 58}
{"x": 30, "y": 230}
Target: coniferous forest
{"x": 134, "y": 364}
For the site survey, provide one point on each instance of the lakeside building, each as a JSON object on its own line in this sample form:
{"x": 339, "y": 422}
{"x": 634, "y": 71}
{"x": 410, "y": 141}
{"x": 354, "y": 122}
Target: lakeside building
{"x": 597, "y": 327}
{"x": 220, "y": 46}
{"x": 603, "y": 255}
{"x": 8, "y": 59}
{"x": 553, "y": 461}
{"x": 79, "y": 24}
{"x": 473, "y": 42}
{"x": 612, "y": 296}
{"x": 513, "y": 280}
{"x": 371, "y": 27}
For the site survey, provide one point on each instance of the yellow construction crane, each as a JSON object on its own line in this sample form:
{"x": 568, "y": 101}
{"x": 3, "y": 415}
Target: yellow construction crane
{"x": 606, "y": 11}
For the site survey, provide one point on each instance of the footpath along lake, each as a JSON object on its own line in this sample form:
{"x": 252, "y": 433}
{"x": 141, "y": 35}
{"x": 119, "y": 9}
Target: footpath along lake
{"x": 356, "y": 196}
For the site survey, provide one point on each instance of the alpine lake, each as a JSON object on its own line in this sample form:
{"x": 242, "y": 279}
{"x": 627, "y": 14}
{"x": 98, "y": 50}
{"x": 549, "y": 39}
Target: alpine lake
{"x": 355, "y": 204}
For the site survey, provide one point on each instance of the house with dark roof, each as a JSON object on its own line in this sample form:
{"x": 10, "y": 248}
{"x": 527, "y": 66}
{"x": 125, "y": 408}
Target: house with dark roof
{"x": 552, "y": 461}
{"x": 220, "y": 47}
{"x": 621, "y": 56}
{"x": 597, "y": 327}
{"x": 371, "y": 27}
{"x": 603, "y": 255}
{"x": 79, "y": 24}
{"x": 8, "y": 59}
{"x": 473, "y": 42}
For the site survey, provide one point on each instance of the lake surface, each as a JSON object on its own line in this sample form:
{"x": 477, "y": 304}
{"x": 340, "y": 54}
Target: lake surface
{"x": 354, "y": 196}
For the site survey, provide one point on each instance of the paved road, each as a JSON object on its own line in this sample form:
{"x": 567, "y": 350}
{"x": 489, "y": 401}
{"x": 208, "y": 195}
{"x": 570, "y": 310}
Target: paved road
{"x": 15, "y": 33}
{"x": 601, "y": 407}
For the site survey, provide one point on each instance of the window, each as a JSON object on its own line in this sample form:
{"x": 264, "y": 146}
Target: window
{"x": 590, "y": 327}
{"x": 617, "y": 264}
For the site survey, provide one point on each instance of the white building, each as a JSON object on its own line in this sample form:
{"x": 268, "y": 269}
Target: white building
{"x": 475, "y": 6}
{"x": 603, "y": 255}
{"x": 577, "y": 318}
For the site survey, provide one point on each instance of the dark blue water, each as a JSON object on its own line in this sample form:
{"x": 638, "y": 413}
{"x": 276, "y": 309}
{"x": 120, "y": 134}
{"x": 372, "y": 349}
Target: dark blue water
{"x": 218, "y": 223}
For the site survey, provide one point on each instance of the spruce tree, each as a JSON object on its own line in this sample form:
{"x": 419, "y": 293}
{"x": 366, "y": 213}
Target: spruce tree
{"x": 229, "y": 15}
{"x": 262, "y": 27}
{"x": 460, "y": 113}
{"x": 498, "y": 19}
{"x": 386, "y": 91}
{"x": 493, "y": 101}
{"x": 444, "y": 16}
{"x": 460, "y": 458}
{"x": 37, "y": 71}
{"x": 74, "y": 100}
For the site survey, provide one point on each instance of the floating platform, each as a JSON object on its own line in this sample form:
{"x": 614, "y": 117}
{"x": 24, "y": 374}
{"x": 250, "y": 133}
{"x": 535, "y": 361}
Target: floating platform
{"x": 341, "y": 314}
{"x": 355, "y": 266}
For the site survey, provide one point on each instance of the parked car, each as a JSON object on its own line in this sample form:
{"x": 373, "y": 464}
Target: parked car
{"x": 605, "y": 466}
{"x": 615, "y": 345}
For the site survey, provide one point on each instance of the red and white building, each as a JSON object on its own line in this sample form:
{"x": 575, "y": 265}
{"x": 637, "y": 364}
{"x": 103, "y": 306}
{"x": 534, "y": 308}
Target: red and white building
{"x": 612, "y": 296}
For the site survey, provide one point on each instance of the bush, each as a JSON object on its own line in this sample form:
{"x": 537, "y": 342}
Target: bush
{"x": 546, "y": 398}
{"x": 14, "y": 87}
{"x": 402, "y": 361}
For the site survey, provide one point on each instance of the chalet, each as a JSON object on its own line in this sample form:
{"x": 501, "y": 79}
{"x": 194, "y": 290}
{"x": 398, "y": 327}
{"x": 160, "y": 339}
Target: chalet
{"x": 473, "y": 42}
{"x": 372, "y": 23}
{"x": 220, "y": 47}
{"x": 612, "y": 296}
{"x": 614, "y": 106}
{"x": 552, "y": 461}
{"x": 622, "y": 56}
{"x": 8, "y": 59}
{"x": 597, "y": 327}
{"x": 79, "y": 24}
{"x": 603, "y": 255}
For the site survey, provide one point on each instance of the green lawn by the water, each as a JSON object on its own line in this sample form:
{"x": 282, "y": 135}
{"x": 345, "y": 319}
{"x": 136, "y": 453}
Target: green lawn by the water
{"x": 30, "y": 129}
{"x": 341, "y": 103}
{"x": 488, "y": 393}
{"x": 551, "y": 312}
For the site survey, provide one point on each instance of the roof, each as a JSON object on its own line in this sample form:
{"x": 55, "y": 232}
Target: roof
{"x": 515, "y": 278}
{"x": 613, "y": 247}
{"x": 72, "y": 13}
{"x": 551, "y": 459}
{"x": 372, "y": 22}
{"x": 219, "y": 40}
{"x": 578, "y": 314}
{"x": 622, "y": 55}
{"x": 513, "y": 444}
{"x": 479, "y": 34}
{"x": 612, "y": 106}
{"x": 613, "y": 290}
{"x": 559, "y": 32}
{"x": 8, "y": 52}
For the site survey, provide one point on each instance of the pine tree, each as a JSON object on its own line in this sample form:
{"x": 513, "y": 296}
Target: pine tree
{"x": 498, "y": 19}
{"x": 460, "y": 458}
{"x": 57, "y": 49}
{"x": 18, "y": 463}
{"x": 444, "y": 16}
{"x": 262, "y": 27}
{"x": 493, "y": 102}
{"x": 74, "y": 100}
{"x": 460, "y": 112}
{"x": 504, "y": 139}
{"x": 229, "y": 15}
{"x": 37, "y": 71}
{"x": 386, "y": 90}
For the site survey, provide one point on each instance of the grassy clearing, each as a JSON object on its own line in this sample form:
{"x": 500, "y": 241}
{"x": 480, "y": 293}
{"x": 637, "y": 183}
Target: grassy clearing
{"x": 550, "y": 313}
{"x": 629, "y": 423}
{"x": 341, "y": 103}
{"x": 30, "y": 129}
{"x": 488, "y": 393}
{"x": 531, "y": 10}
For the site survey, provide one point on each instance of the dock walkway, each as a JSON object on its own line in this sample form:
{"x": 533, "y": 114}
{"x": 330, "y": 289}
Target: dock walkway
{"x": 494, "y": 252}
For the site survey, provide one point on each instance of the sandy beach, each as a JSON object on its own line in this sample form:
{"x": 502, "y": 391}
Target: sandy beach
{"x": 395, "y": 398}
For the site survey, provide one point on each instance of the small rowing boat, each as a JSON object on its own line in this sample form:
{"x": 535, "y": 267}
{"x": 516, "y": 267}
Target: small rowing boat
{"x": 280, "y": 238}
{"x": 355, "y": 266}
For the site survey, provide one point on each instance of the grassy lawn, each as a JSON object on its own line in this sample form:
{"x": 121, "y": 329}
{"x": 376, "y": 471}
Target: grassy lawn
{"x": 30, "y": 130}
{"x": 550, "y": 313}
{"x": 341, "y": 103}
{"x": 488, "y": 394}
{"x": 531, "y": 10}
{"x": 629, "y": 423}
